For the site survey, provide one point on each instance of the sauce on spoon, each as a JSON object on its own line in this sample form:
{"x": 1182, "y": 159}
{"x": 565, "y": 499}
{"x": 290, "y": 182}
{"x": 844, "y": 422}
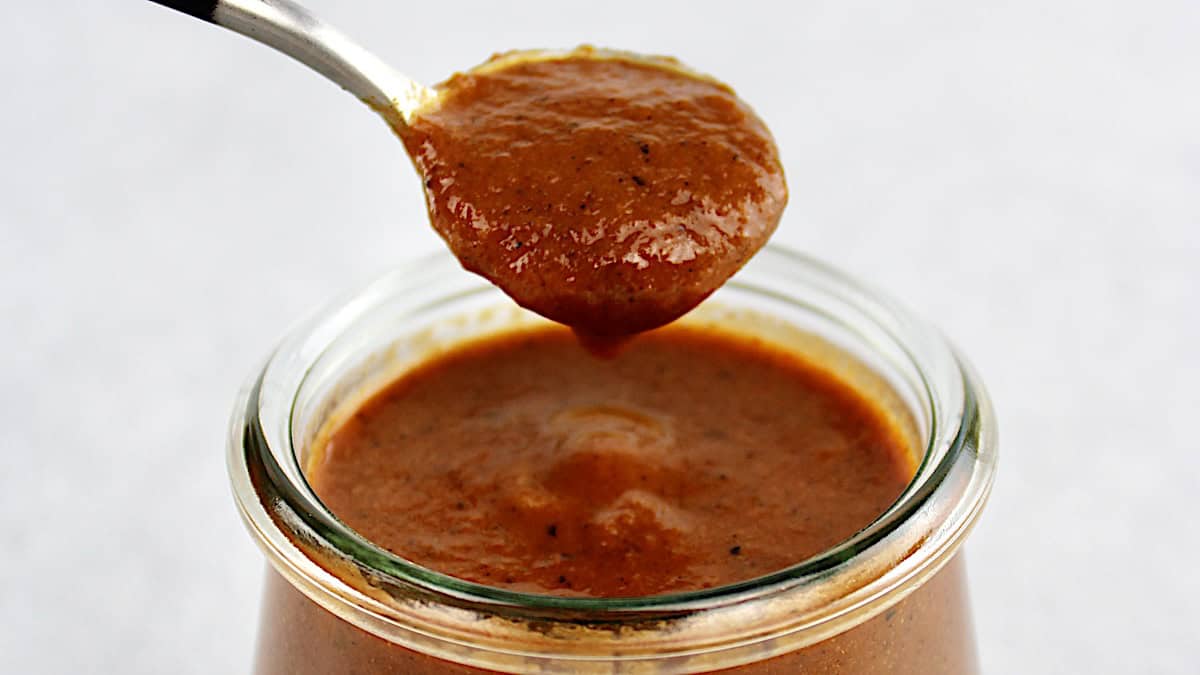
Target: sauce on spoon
{"x": 606, "y": 191}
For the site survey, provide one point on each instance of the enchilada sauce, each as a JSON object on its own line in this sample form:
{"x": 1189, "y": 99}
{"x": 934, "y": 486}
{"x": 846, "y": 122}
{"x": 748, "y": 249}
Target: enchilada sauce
{"x": 611, "y": 195}
{"x": 690, "y": 460}
{"x": 608, "y": 193}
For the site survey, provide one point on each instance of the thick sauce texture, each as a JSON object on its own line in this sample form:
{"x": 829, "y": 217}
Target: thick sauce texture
{"x": 608, "y": 193}
{"x": 692, "y": 459}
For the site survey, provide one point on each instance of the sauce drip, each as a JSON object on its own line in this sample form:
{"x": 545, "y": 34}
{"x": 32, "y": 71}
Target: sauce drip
{"x": 608, "y": 193}
{"x": 690, "y": 460}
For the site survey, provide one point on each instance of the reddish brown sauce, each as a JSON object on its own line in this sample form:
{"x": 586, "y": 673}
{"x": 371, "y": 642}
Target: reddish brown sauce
{"x": 611, "y": 195}
{"x": 690, "y": 460}
{"x": 608, "y": 194}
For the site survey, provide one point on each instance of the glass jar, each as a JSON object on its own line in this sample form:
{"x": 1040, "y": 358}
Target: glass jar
{"x": 891, "y": 599}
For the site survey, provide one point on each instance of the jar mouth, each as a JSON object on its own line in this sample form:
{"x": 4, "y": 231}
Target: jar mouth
{"x": 285, "y": 514}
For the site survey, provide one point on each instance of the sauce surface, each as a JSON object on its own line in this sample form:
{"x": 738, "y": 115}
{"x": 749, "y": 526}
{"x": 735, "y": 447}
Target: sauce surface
{"x": 608, "y": 193}
{"x": 690, "y": 460}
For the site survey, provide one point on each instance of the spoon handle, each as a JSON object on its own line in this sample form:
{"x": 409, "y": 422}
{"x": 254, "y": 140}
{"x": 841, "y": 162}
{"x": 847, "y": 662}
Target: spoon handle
{"x": 291, "y": 29}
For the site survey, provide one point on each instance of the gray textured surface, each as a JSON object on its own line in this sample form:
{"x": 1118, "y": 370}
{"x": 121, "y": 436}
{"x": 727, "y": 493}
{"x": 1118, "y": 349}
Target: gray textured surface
{"x": 172, "y": 197}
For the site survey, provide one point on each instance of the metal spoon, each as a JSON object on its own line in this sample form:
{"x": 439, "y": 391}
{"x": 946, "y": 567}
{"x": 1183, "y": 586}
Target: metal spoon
{"x": 291, "y": 29}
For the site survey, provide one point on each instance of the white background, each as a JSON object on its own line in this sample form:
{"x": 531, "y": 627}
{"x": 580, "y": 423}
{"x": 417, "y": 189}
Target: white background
{"x": 173, "y": 196}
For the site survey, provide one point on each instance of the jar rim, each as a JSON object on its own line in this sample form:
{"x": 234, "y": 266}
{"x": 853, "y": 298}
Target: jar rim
{"x": 963, "y": 435}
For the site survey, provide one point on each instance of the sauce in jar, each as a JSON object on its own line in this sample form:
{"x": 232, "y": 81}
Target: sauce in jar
{"x": 690, "y": 460}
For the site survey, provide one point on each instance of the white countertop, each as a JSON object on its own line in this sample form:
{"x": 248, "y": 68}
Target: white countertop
{"x": 172, "y": 197}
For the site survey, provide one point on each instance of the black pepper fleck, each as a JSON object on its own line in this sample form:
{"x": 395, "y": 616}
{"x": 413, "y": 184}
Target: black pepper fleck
{"x": 736, "y": 550}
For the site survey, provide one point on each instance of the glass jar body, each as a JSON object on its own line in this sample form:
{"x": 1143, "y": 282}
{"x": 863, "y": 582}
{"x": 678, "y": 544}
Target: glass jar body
{"x": 928, "y": 633}
{"x": 892, "y": 599}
